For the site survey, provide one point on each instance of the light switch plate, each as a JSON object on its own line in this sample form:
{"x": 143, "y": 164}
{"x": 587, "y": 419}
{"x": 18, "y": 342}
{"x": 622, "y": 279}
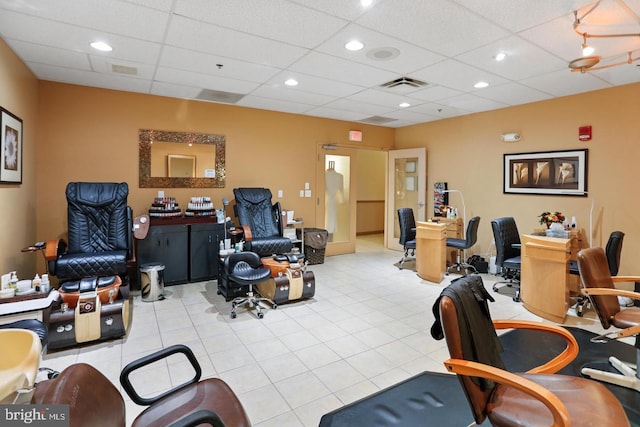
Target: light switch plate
{"x": 301, "y": 193}
{"x": 280, "y": 193}
{"x": 306, "y": 186}
{"x": 307, "y": 193}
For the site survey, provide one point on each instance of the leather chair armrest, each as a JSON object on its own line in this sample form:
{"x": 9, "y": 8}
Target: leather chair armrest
{"x": 247, "y": 233}
{"x": 154, "y": 357}
{"x": 550, "y": 400}
{"x": 199, "y": 417}
{"x": 561, "y": 360}
{"x": 54, "y": 248}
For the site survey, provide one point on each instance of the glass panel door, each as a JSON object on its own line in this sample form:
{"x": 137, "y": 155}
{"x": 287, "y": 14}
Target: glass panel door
{"x": 407, "y": 189}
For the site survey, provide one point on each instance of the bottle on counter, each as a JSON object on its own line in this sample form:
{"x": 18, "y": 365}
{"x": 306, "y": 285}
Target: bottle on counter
{"x": 44, "y": 284}
{"x": 36, "y": 283}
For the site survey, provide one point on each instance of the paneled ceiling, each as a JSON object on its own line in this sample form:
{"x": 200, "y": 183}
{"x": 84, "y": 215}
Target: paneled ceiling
{"x": 241, "y": 52}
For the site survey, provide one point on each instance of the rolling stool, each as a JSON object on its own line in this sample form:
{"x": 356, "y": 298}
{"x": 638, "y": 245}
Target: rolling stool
{"x": 245, "y": 269}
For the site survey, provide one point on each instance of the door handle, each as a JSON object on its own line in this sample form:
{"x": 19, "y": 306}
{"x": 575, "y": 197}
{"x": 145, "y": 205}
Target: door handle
{"x": 421, "y": 204}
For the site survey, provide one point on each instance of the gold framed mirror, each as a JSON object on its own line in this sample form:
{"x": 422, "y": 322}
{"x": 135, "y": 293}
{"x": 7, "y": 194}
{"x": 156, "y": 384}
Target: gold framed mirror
{"x": 205, "y": 154}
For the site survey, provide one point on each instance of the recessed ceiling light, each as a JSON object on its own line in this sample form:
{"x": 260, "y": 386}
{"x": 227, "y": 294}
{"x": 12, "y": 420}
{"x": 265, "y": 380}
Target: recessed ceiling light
{"x": 291, "y": 82}
{"x": 480, "y": 85}
{"x": 354, "y": 45}
{"x": 366, "y": 3}
{"x": 404, "y": 105}
{"x": 501, "y": 56}
{"x": 101, "y": 46}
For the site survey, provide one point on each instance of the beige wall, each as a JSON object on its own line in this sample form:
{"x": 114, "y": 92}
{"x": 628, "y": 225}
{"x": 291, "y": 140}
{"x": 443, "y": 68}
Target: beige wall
{"x": 467, "y": 153}
{"x": 19, "y": 95}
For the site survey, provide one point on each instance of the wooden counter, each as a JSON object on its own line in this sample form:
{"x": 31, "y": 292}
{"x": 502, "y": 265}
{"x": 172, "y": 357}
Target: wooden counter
{"x": 544, "y": 276}
{"x": 431, "y": 261}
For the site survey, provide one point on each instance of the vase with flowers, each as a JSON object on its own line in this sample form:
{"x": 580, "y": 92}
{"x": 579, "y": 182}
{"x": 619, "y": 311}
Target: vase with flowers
{"x": 548, "y": 218}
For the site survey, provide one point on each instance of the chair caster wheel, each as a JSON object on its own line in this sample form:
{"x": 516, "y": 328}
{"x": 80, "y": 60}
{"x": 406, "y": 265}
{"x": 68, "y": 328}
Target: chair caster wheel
{"x": 260, "y": 315}
{"x": 274, "y": 306}
{"x": 233, "y": 315}
{"x": 579, "y": 311}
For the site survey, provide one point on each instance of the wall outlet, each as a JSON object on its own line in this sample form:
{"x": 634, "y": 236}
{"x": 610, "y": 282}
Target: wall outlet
{"x": 307, "y": 193}
{"x": 280, "y": 194}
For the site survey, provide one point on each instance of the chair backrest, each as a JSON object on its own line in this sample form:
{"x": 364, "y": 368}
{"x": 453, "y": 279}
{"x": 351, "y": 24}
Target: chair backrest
{"x": 613, "y": 251}
{"x": 98, "y": 217}
{"x": 472, "y": 231}
{"x": 505, "y": 234}
{"x": 464, "y": 303}
{"x": 407, "y": 225}
{"x": 594, "y": 273}
{"x": 254, "y": 209}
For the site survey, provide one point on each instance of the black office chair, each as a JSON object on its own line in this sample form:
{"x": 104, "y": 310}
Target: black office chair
{"x": 612, "y": 251}
{"x": 407, "y": 233}
{"x": 507, "y": 240}
{"x": 244, "y": 269}
{"x": 464, "y": 244}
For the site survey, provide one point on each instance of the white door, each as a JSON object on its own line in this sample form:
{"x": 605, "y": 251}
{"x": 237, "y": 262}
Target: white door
{"x": 406, "y": 188}
{"x": 336, "y": 203}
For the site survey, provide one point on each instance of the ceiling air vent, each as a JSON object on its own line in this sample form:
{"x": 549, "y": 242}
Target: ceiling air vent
{"x": 219, "y": 96}
{"x": 377, "y": 120}
{"x": 123, "y": 69}
{"x": 404, "y": 81}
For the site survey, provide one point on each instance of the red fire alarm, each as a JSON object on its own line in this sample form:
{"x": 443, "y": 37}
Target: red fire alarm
{"x": 584, "y": 133}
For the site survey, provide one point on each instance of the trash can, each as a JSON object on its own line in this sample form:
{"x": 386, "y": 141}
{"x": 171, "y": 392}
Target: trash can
{"x": 315, "y": 243}
{"x": 152, "y": 282}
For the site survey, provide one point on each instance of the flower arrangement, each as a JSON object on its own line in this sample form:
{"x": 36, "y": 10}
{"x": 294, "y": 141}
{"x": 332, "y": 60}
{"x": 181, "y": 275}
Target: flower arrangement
{"x": 548, "y": 218}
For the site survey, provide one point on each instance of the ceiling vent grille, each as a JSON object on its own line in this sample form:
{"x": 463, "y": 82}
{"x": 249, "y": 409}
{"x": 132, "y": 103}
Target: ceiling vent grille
{"x": 123, "y": 69}
{"x": 404, "y": 81}
{"x": 377, "y": 120}
{"x": 219, "y": 96}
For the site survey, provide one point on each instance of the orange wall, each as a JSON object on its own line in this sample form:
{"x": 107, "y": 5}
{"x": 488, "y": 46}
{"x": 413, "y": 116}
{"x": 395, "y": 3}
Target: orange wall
{"x": 89, "y": 134}
{"x": 467, "y": 153}
{"x": 19, "y": 95}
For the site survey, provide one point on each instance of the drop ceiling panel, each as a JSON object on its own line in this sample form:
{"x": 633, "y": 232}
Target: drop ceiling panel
{"x": 562, "y": 83}
{"x": 473, "y": 103}
{"x": 353, "y": 105}
{"x": 456, "y": 75}
{"x": 331, "y": 113}
{"x": 410, "y": 57}
{"x": 284, "y": 93}
{"x": 317, "y": 85}
{"x": 330, "y": 67}
{"x": 268, "y": 104}
{"x": 513, "y": 94}
{"x": 205, "y": 81}
{"x": 202, "y": 37}
{"x": 172, "y": 90}
{"x": 101, "y": 64}
{"x": 443, "y": 26}
{"x": 274, "y": 19}
{"x": 381, "y": 97}
{"x": 30, "y": 52}
{"x": 523, "y": 59}
{"x": 434, "y": 93}
{"x": 89, "y": 78}
{"x": 204, "y": 63}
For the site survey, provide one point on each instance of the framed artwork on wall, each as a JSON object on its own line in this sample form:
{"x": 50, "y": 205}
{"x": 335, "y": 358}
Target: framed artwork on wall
{"x": 561, "y": 173}
{"x": 11, "y": 146}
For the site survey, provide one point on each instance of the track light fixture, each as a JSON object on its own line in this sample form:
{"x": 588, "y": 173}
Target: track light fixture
{"x": 589, "y": 61}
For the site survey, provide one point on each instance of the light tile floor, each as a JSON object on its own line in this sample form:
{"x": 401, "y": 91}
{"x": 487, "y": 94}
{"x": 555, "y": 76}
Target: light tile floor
{"x": 366, "y": 328}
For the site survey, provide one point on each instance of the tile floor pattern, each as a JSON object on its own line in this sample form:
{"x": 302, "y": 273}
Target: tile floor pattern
{"x": 367, "y": 328}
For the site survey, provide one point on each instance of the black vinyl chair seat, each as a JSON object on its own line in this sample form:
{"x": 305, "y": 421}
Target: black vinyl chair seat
{"x": 508, "y": 246}
{"x": 407, "y": 223}
{"x": 464, "y": 244}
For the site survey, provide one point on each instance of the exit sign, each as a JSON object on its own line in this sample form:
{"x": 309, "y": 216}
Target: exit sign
{"x": 355, "y": 135}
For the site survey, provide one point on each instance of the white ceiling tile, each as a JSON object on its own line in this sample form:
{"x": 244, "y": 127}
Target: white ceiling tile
{"x": 562, "y": 83}
{"x": 205, "y": 81}
{"x": 456, "y": 75}
{"x": 317, "y": 85}
{"x": 274, "y": 19}
{"x": 284, "y": 93}
{"x": 410, "y": 57}
{"x": 172, "y": 90}
{"x": 198, "y": 62}
{"x": 273, "y": 104}
{"x": 198, "y": 36}
{"x": 440, "y": 26}
{"x": 30, "y": 52}
{"x": 523, "y": 60}
{"x": 330, "y": 67}
{"x": 473, "y": 103}
{"x": 101, "y": 64}
{"x": 348, "y": 104}
{"x": 348, "y": 10}
{"x": 434, "y": 93}
{"x": 331, "y": 113}
{"x": 513, "y": 94}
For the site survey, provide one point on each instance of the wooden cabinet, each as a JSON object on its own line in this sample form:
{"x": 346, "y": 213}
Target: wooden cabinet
{"x": 430, "y": 250}
{"x": 455, "y": 230}
{"x": 186, "y": 246}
